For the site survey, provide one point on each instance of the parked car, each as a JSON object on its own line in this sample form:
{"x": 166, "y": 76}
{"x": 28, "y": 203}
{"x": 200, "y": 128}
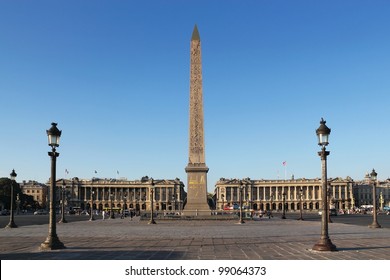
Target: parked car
{"x": 41, "y": 212}
{"x": 5, "y": 212}
{"x": 332, "y": 212}
{"x": 235, "y": 206}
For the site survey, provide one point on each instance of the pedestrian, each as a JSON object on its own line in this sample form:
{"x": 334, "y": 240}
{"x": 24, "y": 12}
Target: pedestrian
{"x": 103, "y": 214}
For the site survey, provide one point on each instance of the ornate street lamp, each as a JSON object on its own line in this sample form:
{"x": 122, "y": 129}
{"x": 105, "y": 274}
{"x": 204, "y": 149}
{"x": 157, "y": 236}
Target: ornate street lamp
{"x": 91, "y": 212}
{"x": 112, "y": 216}
{"x": 11, "y": 223}
{"x": 152, "y": 221}
{"x": 124, "y": 204}
{"x": 17, "y": 204}
{"x": 52, "y": 241}
{"x": 63, "y": 203}
{"x": 324, "y": 244}
{"x": 284, "y": 206}
{"x": 241, "y": 187}
{"x": 373, "y": 178}
{"x": 300, "y": 204}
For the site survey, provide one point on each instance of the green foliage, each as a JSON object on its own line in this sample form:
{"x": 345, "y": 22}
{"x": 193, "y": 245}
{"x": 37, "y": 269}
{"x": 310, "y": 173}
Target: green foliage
{"x": 5, "y": 194}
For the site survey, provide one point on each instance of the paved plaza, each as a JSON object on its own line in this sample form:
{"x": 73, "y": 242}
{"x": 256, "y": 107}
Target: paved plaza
{"x": 266, "y": 239}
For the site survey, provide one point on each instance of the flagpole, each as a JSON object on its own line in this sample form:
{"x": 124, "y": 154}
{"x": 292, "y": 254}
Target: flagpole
{"x": 285, "y": 172}
{"x": 285, "y": 169}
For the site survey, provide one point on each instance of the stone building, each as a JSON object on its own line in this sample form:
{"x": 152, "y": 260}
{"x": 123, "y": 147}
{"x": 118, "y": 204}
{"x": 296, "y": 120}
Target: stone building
{"x": 37, "y": 190}
{"x": 268, "y": 194}
{"x": 363, "y": 192}
{"x": 123, "y": 194}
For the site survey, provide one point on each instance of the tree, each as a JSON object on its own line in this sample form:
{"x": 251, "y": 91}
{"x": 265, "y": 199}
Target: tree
{"x": 5, "y": 194}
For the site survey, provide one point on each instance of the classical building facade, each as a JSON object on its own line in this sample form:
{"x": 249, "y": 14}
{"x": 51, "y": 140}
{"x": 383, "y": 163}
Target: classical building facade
{"x": 363, "y": 192}
{"x": 123, "y": 194}
{"x": 270, "y": 194}
{"x": 37, "y": 190}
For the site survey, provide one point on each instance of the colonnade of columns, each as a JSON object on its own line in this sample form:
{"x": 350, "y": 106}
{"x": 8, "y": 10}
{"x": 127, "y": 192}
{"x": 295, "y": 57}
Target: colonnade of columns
{"x": 167, "y": 196}
{"x": 267, "y": 197}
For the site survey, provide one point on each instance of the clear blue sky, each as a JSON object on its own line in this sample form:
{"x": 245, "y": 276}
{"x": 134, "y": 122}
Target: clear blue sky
{"x": 115, "y": 76}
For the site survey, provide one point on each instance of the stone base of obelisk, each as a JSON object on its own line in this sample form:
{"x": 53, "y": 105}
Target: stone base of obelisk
{"x": 197, "y": 209}
{"x": 197, "y": 191}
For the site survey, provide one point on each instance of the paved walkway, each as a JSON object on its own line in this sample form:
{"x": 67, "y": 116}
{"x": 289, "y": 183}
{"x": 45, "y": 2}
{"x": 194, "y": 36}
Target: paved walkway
{"x": 122, "y": 239}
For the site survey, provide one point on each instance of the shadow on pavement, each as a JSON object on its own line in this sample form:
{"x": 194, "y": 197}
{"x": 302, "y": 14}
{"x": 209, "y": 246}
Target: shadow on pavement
{"x": 95, "y": 255}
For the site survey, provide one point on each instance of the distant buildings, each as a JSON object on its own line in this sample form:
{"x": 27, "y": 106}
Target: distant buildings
{"x": 37, "y": 190}
{"x": 124, "y": 194}
{"x": 269, "y": 194}
{"x": 363, "y": 192}
{"x": 170, "y": 195}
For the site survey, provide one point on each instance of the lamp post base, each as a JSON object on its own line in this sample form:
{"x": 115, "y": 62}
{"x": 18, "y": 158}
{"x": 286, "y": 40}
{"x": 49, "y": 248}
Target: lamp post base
{"x": 283, "y": 217}
{"x": 152, "y": 222}
{"x": 11, "y": 225}
{"x": 92, "y": 218}
{"x": 324, "y": 245}
{"x": 62, "y": 221}
{"x": 374, "y": 225}
{"x": 240, "y": 222}
{"x": 52, "y": 243}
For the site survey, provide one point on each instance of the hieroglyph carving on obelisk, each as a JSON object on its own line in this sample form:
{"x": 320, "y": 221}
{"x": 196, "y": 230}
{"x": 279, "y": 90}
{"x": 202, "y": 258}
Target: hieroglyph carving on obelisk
{"x": 196, "y": 168}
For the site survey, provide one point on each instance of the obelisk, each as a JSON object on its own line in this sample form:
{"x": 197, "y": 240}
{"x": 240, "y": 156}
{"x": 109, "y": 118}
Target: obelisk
{"x": 196, "y": 168}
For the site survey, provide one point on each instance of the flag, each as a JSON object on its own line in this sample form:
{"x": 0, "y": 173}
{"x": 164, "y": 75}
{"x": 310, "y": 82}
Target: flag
{"x": 66, "y": 171}
{"x": 284, "y": 163}
{"x": 117, "y": 172}
{"x": 95, "y": 172}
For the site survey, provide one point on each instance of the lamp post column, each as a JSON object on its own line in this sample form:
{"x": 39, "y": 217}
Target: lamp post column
{"x": 91, "y": 214}
{"x": 300, "y": 204}
{"x": 112, "y": 216}
{"x": 284, "y": 206}
{"x": 152, "y": 221}
{"x": 124, "y": 205}
{"x": 17, "y": 204}
{"x": 324, "y": 244}
{"x": 241, "y": 186}
{"x": 63, "y": 220}
{"x": 375, "y": 223}
{"x": 11, "y": 223}
{"x": 223, "y": 202}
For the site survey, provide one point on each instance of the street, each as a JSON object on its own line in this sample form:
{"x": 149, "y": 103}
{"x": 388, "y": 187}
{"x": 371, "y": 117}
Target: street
{"x": 30, "y": 219}
{"x": 352, "y": 219}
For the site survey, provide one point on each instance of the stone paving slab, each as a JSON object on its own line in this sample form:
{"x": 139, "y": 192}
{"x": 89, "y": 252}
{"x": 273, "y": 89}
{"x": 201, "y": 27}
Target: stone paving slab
{"x": 122, "y": 239}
